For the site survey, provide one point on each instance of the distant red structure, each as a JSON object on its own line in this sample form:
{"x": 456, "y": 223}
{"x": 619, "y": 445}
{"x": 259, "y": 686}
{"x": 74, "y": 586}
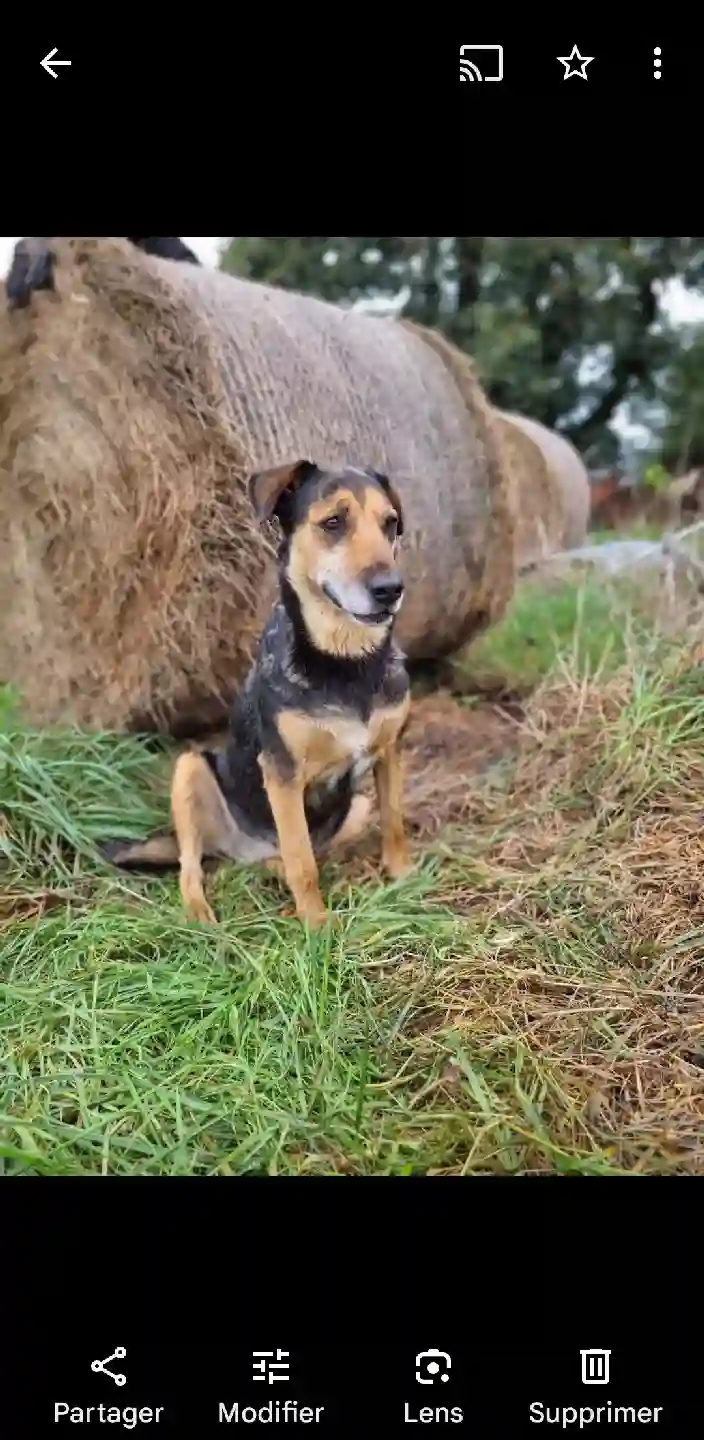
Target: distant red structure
{"x": 618, "y": 501}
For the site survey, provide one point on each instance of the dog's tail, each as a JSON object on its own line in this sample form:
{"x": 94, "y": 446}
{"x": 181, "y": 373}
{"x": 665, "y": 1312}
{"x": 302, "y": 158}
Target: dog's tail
{"x": 159, "y": 853}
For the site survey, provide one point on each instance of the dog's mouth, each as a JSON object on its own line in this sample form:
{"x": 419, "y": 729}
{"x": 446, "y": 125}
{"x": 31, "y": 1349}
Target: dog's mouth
{"x": 375, "y": 617}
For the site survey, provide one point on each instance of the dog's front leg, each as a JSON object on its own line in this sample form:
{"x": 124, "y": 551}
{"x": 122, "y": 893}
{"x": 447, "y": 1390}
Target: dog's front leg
{"x": 389, "y": 789}
{"x": 299, "y": 863}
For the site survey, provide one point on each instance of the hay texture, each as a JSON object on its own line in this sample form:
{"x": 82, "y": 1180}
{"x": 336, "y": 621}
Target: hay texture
{"x": 567, "y": 498}
{"x": 539, "y": 512}
{"x": 134, "y": 402}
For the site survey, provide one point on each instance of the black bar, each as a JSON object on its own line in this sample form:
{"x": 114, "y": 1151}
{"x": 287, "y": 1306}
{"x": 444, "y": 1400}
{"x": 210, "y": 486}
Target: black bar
{"x": 370, "y": 1387}
{"x": 181, "y": 67}
{"x": 354, "y": 1279}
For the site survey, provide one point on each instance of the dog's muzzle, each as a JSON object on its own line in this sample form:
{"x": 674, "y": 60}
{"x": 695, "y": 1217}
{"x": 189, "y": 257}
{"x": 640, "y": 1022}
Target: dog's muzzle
{"x": 383, "y": 593}
{"x": 387, "y": 592}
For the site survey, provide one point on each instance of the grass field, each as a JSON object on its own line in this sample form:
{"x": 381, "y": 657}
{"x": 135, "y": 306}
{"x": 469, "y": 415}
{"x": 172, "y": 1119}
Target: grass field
{"x": 530, "y": 1000}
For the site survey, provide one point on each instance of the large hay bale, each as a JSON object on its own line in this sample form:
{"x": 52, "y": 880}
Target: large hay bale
{"x": 133, "y": 403}
{"x": 568, "y": 499}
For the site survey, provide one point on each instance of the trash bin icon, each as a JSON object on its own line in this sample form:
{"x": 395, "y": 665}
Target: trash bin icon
{"x": 595, "y": 1367}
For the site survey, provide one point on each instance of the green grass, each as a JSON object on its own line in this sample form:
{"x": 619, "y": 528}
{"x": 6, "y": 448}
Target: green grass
{"x": 529, "y": 1000}
{"x": 8, "y": 705}
{"x": 590, "y": 625}
{"x": 640, "y": 531}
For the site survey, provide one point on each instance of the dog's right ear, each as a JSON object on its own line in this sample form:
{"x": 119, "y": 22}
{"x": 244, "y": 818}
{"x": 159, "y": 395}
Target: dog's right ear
{"x": 267, "y": 488}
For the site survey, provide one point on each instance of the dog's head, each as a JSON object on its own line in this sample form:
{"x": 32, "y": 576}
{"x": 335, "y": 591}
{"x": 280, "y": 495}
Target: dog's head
{"x": 341, "y": 532}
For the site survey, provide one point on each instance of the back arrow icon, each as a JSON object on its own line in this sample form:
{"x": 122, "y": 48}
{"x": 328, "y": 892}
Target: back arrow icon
{"x": 46, "y": 66}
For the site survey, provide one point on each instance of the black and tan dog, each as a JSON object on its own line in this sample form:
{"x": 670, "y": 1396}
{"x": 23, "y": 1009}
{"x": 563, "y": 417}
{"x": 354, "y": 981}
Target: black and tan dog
{"x": 326, "y": 698}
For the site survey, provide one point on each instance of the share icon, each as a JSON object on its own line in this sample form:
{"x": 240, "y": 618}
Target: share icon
{"x": 100, "y": 1366}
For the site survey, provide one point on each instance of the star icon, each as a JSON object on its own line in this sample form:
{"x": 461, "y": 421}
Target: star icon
{"x": 578, "y": 68}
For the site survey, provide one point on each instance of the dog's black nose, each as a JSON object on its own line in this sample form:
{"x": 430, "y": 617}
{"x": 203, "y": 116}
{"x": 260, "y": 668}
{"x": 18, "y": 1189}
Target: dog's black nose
{"x": 386, "y": 590}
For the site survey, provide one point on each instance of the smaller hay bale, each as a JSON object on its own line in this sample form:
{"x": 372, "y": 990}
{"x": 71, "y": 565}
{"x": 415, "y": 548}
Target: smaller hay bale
{"x": 539, "y": 517}
{"x": 571, "y": 492}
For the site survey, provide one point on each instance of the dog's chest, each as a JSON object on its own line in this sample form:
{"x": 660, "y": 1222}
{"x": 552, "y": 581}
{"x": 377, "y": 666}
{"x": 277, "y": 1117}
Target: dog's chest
{"x": 340, "y": 742}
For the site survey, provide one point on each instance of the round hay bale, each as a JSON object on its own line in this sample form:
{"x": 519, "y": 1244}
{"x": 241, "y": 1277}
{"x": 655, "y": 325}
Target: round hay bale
{"x": 135, "y": 400}
{"x": 572, "y": 494}
{"x": 483, "y": 592}
{"x": 539, "y": 510}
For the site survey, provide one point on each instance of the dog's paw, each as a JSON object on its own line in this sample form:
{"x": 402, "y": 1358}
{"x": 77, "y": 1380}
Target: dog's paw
{"x": 201, "y": 910}
{"x": 275, "y": 866}
{"x": 316, "y": 917}
{"x": 319, "y": 919}
{"x": 398, "y": 865}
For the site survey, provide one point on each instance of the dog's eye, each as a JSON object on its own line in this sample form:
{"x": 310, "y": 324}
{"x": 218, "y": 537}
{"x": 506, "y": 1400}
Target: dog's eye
{"x": 391, "y": 527}
{"x": 333, "y": 524}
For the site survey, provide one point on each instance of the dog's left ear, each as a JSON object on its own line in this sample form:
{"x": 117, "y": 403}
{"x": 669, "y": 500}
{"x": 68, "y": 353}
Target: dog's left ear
{"x": 267, "y": 488}
{"x": 388, "y": 489}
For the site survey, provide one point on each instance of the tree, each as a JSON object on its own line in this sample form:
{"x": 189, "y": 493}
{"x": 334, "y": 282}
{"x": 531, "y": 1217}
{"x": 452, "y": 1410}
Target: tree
{"x": 683, "y": 392}
{"x": 341, "y": 268}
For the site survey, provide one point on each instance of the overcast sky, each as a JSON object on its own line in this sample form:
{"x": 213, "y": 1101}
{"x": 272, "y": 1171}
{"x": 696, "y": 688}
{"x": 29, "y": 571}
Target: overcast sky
{"x": 681, "y": 306}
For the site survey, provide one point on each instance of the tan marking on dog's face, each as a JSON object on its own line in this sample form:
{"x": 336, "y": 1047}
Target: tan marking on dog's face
{"x": 346, "y": 538}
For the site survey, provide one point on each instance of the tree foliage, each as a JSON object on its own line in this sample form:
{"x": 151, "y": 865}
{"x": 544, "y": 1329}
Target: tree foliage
{"x": 569, "y": 330}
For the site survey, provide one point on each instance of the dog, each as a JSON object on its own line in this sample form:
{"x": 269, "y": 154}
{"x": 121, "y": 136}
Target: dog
{"x": 327, "y": 697}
